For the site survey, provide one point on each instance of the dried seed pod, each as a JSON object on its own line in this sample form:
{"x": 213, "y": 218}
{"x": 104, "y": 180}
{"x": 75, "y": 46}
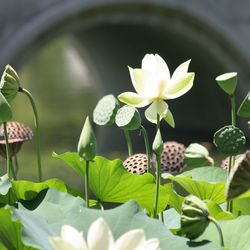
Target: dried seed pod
{"x": 136, "y": 164}
{"x": 172, "y": 157}
{"x": 17, "y": 134}
{"x": 225, "y": 163}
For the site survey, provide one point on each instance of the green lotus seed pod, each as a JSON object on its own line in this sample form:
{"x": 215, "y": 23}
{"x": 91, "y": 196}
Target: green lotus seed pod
{"x": 128, "y": 118}
{"x": 229, "y": 140}
{"x": 105, "y": 110}
{"x": 239, "y": 178}
{"x": 227, "y": 82}
{"x": 194, "y": 218}
{"x": 244, "y": 109}
{"x": 10, "y": 83}
{"x": 158, "y": 143}
{"x": 5, "y": 109}
{"x": 87, "y": 142}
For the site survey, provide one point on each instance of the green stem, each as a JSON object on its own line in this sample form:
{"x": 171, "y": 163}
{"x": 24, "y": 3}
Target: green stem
{"x": 12, "y": 169}
{"x": 233, "y": 110}
{"x": 86, "y": 183}
{"x": 231, "y": 158}
{"x": 146, "y": 141}
{"x": 219, "y": 230}
{"x": 158, "y": 174}
{"x": 16, "y": 165}
{"x": 37, "y": 125}
{"x": 129, "y": 142}
{"x": 7, "y": 146}
{"x": 157, "y": 186}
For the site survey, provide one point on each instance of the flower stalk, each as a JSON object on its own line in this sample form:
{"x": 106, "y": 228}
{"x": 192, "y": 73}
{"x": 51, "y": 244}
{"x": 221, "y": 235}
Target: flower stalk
{"x": 219, "y": 230}
{"x": 37, "y": 126}
{"x": 129, "y": 142}
{"x": 146, "y": 142}
{"x": 86, "y": 184}
{"x": 10, "y": 170}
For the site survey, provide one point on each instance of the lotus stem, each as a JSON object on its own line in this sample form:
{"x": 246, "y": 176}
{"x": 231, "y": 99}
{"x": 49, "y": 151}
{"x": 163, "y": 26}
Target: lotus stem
{"x": 146, "y": 141}
{"x": 158, "y": 174}
{"x": 10, "y": 170}
{"x": 129, "y": 142}
{"x": 86, "y": 184}
{"x": 37, "y": 125}
{"x": 16, "y": 164}
{"x": 231, "y": 157}
{"x": 158, "y": 179}
{"x": 219, "y": 230}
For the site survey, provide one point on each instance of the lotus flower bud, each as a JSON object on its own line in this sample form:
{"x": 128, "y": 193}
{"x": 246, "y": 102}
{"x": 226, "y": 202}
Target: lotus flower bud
{"x": 10, "y": 83}
{"x": 128, "y": 118}
{"x": 5, "y": 109}
{"x": 158, "y": 143}
{"x": 194, "y": 218}
{"x": 87, "y": 142}
{"x": 227, "y": 82}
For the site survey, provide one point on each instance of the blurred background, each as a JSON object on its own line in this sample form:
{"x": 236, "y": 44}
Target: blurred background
{"x": 71, "y": 53}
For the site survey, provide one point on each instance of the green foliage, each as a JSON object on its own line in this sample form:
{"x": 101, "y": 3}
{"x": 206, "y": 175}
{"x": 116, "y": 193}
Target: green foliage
{"x": 207, "y": 183}
{"x": 236, "y": 233}
{"x": 13, "y": 191}
{"x": 239, "y": 179}
{"x": 244, "y": 109}
{"x": 57, "y": 209}
{"x": 110, "y": 182}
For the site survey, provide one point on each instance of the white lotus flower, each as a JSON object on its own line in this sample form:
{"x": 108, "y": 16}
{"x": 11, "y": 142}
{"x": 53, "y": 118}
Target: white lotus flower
{"x": 100, "y": 237}
{"x": 153, "y": 85}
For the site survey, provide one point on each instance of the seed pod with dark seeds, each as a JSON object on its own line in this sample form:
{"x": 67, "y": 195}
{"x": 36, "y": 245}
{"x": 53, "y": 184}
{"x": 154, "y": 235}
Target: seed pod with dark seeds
{"x": 239, "y": 178}
{"x": 172, "y": 157}
{"x": 136, "y": 164}
{"x": 225, "y": 163}
{"x": 17, "y": 134}
{"x": 229, "y": 140}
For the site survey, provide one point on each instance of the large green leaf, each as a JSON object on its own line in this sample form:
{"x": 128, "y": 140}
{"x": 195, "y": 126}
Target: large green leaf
{"x": 12, "y": 191}
{"x": 236, "y": 233}
{"x": 11, "y": 231}
{"x": 207, "y": 183}
{"x": 70, "y": 210}
{"x": 175, "y": 200}
{"x": 110, "y": 182}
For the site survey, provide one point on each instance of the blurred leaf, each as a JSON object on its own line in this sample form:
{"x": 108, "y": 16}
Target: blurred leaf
{"x": 236, "y": 233}
{"x": 70, "y": 210}
{"x": 110, "y": 182}
{"x": 244, "y": 109}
